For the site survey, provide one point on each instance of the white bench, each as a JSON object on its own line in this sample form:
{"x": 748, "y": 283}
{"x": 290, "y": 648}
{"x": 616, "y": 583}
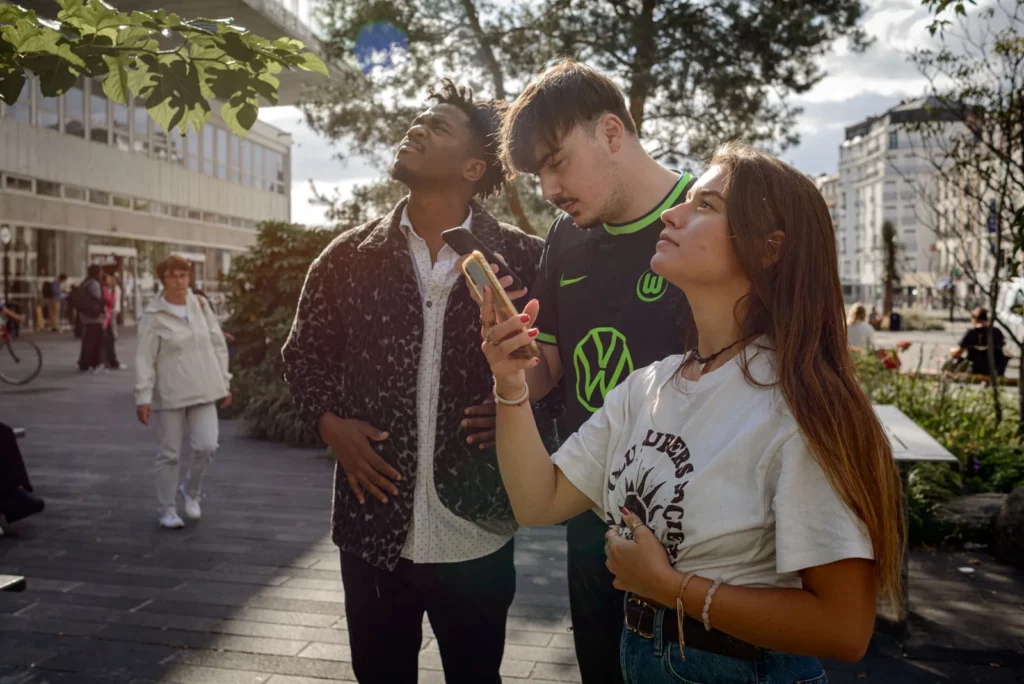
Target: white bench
{"x": 910, "y": 444}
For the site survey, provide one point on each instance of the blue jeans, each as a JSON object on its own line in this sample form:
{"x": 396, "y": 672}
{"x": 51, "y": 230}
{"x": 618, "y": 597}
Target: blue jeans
{"x": 645, "y": 661}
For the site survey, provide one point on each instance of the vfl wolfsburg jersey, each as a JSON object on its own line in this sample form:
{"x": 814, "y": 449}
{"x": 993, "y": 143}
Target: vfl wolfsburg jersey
{"x": 608, "y": 314}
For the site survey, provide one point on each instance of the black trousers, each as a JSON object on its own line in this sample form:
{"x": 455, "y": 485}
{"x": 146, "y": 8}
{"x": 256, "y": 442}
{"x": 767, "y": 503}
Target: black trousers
{"x": 109, "y": 348}
{"x": 467, "y": 605}
{"x": 92, "y": 346}
{"x": 12, "y": 466}
{"x": 597, "y": 617}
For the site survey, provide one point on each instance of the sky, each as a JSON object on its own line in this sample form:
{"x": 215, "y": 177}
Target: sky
{"x": 856, "y": 87}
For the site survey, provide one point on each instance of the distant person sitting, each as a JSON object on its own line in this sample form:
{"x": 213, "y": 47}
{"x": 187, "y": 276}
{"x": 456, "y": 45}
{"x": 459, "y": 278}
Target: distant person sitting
{"x": 16, "y": 498}
{"x": 859, "y": 333}
{"x": 975, "y": 343}
{"x": 874, "y": 320}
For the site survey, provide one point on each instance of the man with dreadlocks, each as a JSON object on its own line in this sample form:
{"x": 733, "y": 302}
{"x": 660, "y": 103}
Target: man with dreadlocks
{"x": 383, "y": 358}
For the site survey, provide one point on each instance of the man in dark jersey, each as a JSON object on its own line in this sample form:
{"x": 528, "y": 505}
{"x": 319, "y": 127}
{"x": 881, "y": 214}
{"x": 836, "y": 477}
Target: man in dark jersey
{"x": 603, "y": 313}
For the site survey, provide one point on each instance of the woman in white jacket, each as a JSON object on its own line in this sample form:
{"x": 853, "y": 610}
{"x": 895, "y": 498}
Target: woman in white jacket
{"x": 182, "y": 370}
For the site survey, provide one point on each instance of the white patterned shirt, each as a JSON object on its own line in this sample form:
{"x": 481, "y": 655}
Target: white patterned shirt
{"x": 437, "y": 535}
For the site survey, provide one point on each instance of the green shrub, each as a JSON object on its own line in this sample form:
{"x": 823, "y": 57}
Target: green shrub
{"x": 960, "y": 417}
{"x": 264, "y": 287}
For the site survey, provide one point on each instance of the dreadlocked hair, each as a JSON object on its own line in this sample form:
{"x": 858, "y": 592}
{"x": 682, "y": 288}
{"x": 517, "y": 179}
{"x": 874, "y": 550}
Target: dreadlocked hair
{"x": 485, "y": 123}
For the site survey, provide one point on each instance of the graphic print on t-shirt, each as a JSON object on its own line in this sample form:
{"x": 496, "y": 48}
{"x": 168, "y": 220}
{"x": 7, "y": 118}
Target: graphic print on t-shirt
{"x": 651, "y": 287}
{"x": 651, "y": 482}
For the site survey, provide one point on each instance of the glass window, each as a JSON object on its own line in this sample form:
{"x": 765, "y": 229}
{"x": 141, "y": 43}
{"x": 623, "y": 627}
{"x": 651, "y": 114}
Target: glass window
{"x": 236, "y": 222}
{"x": 141, "y": 204}
{"x": 175, "y": 151}
{"x": 222, "y": 153}
{"x": 123, "y": 202}
{"x": 73, "y": 193}
{"x": 47, "y": 188}
{"x": 22, "y": 109}
{"x": 208, "y": 145}
{"x": 18, "y": 183}
{"x": 99, "y": 119}
{"x": 99, "y": 197}
{"x": 74, "y": 110}
{"x": 257, "y": 166}
{"x": 224, "y": 220}
{"x": 211, "y": 217}
{"x": 192, "y": 141}
{"x": 246, "y": 162}
{"x": 141, "y": 140}
{"x": 195, "y": 215}
{"x": 47, "y": 111}
{"x": 176, "y": 211}
{"x": 121, "y": 130}
{"x": 160, "y": 141}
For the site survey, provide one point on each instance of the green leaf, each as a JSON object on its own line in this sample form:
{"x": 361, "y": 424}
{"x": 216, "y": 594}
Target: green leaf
{"x": 28, "y": 37}
{"x": 241, "y": 116}
{"x": 225, "y": 83}
{"x": 11, "y": 84}
{"x": 115, "y": 86}
{"x": 311, "y": 62}
{"x": 266, "y": 85}
{"x": 130, "y": 35}
{"x": 54, "y": 73}
{"x": 235, "y": 47}
{"x": 140, "y": 79}
{"x": 65, "y": 52}
{"x": 10, "y": 14}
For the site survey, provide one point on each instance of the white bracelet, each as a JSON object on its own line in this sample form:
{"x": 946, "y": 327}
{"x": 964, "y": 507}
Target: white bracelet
{"x": 707, "y": 603}
{"x": 517, "y": 402}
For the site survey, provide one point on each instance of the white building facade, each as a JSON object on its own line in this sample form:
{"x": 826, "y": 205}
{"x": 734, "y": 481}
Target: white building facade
{"x": 86, "y": 180}
{"x": 884, "y": 176}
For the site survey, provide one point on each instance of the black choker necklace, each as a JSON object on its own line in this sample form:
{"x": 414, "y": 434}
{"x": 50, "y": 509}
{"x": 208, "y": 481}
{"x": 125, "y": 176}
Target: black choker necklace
{"x": 705, "y": 361}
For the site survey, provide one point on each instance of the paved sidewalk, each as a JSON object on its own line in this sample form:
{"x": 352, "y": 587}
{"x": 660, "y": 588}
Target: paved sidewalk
{"x": 252, "y": 593}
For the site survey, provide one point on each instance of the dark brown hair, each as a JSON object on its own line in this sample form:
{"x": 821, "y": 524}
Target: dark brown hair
{"x": 485, "y": 125}
{"x": 980, "y": 315}
{"x": 564, "y": 96}
{"x": 796, "y": 302}
{"x": 172, "y": 263}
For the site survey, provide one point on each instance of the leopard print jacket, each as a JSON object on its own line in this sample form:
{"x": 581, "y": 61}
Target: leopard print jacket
{"x": 354, "y": 350}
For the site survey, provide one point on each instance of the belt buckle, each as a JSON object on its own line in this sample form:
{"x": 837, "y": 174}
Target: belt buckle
{"x": 642, "y": 610}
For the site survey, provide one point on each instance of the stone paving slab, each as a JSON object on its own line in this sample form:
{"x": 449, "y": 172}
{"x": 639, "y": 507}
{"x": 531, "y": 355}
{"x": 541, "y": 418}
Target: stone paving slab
{"x": 252, "y": 593}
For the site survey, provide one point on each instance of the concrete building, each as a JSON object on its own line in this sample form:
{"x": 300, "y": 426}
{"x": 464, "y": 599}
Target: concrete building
{"x": 86, "y": 180}
{"x": 885, "y": 175}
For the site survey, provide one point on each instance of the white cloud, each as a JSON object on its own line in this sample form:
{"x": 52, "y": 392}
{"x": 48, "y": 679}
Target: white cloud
{"x": 313, "y": 215}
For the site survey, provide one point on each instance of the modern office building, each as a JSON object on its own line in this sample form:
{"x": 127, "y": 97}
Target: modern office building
{"x": 885, "y": 175}
{"x": 86, "y": 180}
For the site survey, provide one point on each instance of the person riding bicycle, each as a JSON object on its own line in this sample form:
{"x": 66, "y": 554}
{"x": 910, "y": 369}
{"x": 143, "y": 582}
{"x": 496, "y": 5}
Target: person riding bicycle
{"x": 19, "y": 318}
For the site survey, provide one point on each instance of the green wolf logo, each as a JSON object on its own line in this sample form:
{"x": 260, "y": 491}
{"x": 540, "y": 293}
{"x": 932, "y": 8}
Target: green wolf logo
{"x": 650, "y": 287}
{"x": 601, "y": 360}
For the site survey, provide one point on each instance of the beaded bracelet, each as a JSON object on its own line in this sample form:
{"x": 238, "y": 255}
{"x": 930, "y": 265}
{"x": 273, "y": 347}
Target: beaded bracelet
{"x": 679, "y": 614}
{"x": 707, "y": 603}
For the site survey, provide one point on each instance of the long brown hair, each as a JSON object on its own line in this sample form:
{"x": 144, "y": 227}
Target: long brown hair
{"x": 796, "y": 301}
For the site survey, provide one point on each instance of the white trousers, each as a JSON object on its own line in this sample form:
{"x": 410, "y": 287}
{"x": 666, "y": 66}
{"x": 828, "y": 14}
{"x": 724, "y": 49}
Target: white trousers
{"x": 203, "y": 428}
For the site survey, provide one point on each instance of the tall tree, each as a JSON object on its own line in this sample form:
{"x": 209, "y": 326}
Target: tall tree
{"x": 973, "y": 149}
{"x": 696, "y": 72}
{"x": 176, "y": 66}
{"x": 890, "y": 265}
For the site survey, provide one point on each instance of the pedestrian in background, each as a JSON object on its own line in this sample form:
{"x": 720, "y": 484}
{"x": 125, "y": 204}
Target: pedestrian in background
{"x": 974, "y": 345}
{"x": 859, "y": 333}
{"x": 58, "y": 301}
{"x": 92, "y": 311}
{"x": 110, "y": 324}
{"x": 181, "y": 371}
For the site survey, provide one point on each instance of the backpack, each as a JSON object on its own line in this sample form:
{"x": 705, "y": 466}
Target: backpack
{"x": 48, "y": 290}
{"x": 87, "y": 305}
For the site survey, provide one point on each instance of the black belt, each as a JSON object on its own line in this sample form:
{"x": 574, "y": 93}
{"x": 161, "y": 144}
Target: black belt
{"x": 641, "y": 616}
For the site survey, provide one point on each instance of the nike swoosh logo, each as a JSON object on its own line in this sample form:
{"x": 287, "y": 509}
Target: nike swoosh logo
{"x": 563, "y": 281}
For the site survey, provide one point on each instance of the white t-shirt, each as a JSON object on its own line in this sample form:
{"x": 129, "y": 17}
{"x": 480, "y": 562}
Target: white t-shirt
{"x": 718, "y": 469}
{"x": 181, "y": 310}
{"x": 860, "y": 335}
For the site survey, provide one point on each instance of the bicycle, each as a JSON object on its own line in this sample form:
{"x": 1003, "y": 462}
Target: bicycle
{"x": 20, "y": 360}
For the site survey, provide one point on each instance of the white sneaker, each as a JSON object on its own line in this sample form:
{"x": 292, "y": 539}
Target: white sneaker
{"x": 171, "y": 521}
{"x": 192, "y": 510}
